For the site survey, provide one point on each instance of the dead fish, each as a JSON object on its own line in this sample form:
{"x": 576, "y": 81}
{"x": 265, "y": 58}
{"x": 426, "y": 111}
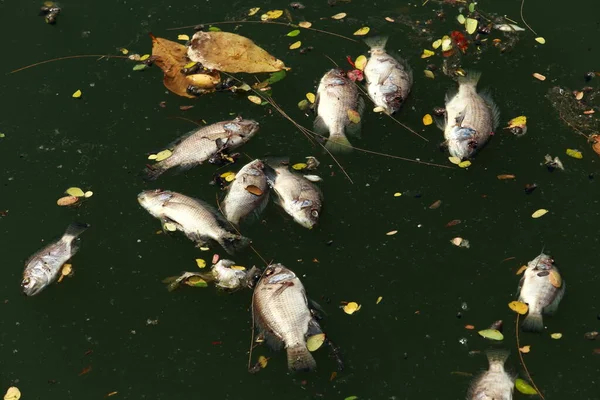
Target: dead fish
{"x": 542, "y": 288}
{"x": 221, "y": 274}
{"x": 248, "y": 194}
{"x": 196, "y": 219}
{"x": 299, "y": 197}
{"x": 389, "y": 79}
{"x": 495, "y": 383}
{"x": 508, "y": 28}
{"x": 336, "y": 97}
{"x": 471, "y": 118}
{"x": 281, "y": 312}
{"x": 203, "y": 144}
{"x": 44, "y": 267}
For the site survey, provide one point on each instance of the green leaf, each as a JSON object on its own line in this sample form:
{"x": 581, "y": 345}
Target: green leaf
{"x": 492, "y": 334}
{"x": 471, "y": 25}
{"x": 461, "y": 19}
{"x": 351, "y": 398}
{"x": 139, "y": 67}
{"x": 276, "y": 77}
{"x": 2, "y": 135}
{"x": 472, "y": 7}
{"x": 294, "y": 33}
{"x": 524, "y": 387}
{"x": 304, "y": 105}
{"x": 214, "y": 29}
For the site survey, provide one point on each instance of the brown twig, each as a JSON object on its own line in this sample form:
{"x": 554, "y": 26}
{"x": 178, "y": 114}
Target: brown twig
{"x": 523, "y": 361}
{"x": 65, "y": 58}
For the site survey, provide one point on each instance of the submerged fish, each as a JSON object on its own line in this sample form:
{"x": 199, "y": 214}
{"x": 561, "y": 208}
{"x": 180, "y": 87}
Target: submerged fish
{"x": 281, "y": 312}
{"x": 221, "y": 274}
{"x": 495, "y": 383}
{"x": 471, "y": 118}
{"x": 196, "y": 219}
{"x": 299, "y": 197}
{"x": 203, "y": 144}
{"x": 389, "y": 79}
{"x": 44, "y": 266}
{"x": 337, "y": 101}
{"x": 542, "y": 288}
{"x": 248, "y": 193}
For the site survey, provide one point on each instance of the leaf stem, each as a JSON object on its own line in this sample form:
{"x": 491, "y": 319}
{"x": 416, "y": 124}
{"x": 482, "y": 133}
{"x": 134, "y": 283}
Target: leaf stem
{"x": 523, "y": 361}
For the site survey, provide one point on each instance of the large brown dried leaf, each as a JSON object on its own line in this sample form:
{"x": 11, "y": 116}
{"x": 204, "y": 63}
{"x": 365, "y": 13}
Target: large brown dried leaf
{"x": 232, "y": 53}
{"x": 171, "y": 58}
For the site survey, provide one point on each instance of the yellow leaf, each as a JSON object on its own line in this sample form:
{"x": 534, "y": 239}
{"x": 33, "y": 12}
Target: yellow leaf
{"x": 360, "y": 62}
{"x": 437, "y": 44}
{"x": 295, "y": 45}
{"x": 152, "y": 157}
{"x": 525, "y": 349}
{"x": 338, "y": 16}
{"x": 518, "y": 307}
{"x": 228, "y": 176}
{"x": 144, "y": 57}
{"x": 66, "y": 269}
{"x": 314, "y": 342}
{"x": 169, "y": 226}
{"x": 262, "y": 361}
{"x": 273, "y": 14}
{"x": 427, "y": 119}
{"x": 379, "y": 300}
{"x": 255, "y": 99}
{"x": 446, "y": 43}
{"x": 183, "y": 37}
{"x": 454, "y": 160}
{"x": 204, "y": 248}
{"x": 200, "y": 263}
{"x": 310, "y": 97}
{"x": 518, "y": 122}
{"x": 304, "y": 24}
{"x": 555, "y": 278}
{"x": 492, "y": 334}
{"x": 461, "y": 19}
{"x": 88, "y": 194}
{"x": 77, "y": 94}
{"x": 574, "y": 153}
{"x": 539, "y": 213}
{"x": 540, "y": 40}
{"x": 238, "y": 267}
{"x": 471, "y": 25}
{"x": 13, "y": 393}
{"x": 351, "y": 308}
{"x": 299, "y": 166}
{"x": 163, "y": 155}
{"x": 378, "y": 109}
{"x": 388, "y": 19}
{"x": 253, "y": 11}
{"x": 427, "y": 53}
{"x": 75, "y": 191}
{"x": 353, "y": 116}
{"x": 465, "y": 164}
{"x": 429, "y": 74}
{"x": 397, "y": 194}
{"x": 362, "y": 31}
{"x": 124, "y": 51}
{"x": 391, "y": 233}
{"x": 539, "y": 76}
{"x": 556, "y": 335}
{"x": 521, "y": 270}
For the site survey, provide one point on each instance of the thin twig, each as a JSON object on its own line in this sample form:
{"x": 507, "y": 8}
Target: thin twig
{"x": 523, "y": 18}
{"x": 65, "y": 58}
{"x": 265, "y": 22}
{"x": 523, "y": 361}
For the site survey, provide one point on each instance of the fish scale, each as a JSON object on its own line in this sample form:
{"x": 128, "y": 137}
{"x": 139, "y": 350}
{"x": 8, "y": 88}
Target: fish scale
{"x": 239, "y": 202}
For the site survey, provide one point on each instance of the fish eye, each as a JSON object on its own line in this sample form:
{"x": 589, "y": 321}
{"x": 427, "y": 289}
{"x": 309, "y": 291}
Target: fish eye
{"x": 269, "y": 271}
{"x": 26, "y": 282}
{"x": 314, "y": 213}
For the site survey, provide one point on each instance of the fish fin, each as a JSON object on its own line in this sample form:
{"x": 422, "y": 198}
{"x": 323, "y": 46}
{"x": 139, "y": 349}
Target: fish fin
{"x": 470, "y": 79}
{"x": 377, "y": 42}
{"x": 551, "y": 308}
{"x": 183, "y": 168}
{"x": 338, "y": 143}
{"x": 74, "y": 230}
{"x": 487, "y": 97}
{"x": 270, "y": 164}
{"x": 313, "y": 328}
{"x": 440, "y": 122}
{"x": 319, "y": 126}
{"x": 450, "y": 94}
{"x": 497, "y": 356}
{"x": 313, "y": 305}
{"x": 232, "y": 242}
{"x": 300, "y": 359}
{"x": 520, "y": 286}
{"x": 151, "y": 173}
{"x": 533, "y": 322}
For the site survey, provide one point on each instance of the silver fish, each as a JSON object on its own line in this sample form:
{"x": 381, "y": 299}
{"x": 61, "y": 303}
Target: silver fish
{"x": 471, "y": 118}
{"x": 299, "y": 197}
{"x": 248, "y": 193}
{"x": 196, "y": 219}
{"x": 542, "y": 288}
{"x": 336, "y": 96}
{"x": 495, "y": 383}
{"x": 221, "y": 274}
{"x": 204, "y": 143}
{"x": 389, "y": 79}
{"x": 281, "y": 312}
{"x": 44, "y": 266}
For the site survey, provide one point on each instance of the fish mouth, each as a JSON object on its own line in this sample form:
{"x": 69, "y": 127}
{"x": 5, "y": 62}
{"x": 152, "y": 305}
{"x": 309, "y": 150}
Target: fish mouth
{"x": 31, "y": 289}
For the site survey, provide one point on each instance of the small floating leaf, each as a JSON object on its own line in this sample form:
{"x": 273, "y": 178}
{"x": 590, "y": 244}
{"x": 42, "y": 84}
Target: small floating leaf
{"x": 123, "y": 50}
{"x": 77, "y": 94}
{"x": 294, "y": 33}
{"x": 255, "y": 190}
{"x": 574, "y": 153}
{"x": 163, "y": 155}
{"x": 539, "y": 213}
{"x": 351, "y": 307}
{"x": 362, "y": 31}
{"x": 379, "y": 300}
{"x": 273, "y": 14}
{"x": 471, "y": 25}
{"x": 169, "y": 226}
{"x": 314, "y": 342}
{"x": 200, "y": 263}
{"x": 299, "y": 166}
{"x": 311, "y": 97}
{"x": 295, "y": 45}
{"x": 67, "y": 201}
{"x": 262, "y": 360}
{"x": 429, "y": 74}
{"x": 461, "y": 19}
{"x": 446, "y": 43}
{"x": 435, "y": 204}
{"x": 253, "y": 11}
{"x": 556, "y": 335}
{"x": 454, "y": 160}
{"x": 66, "y": 269}
{"x": 524, "y": 387}
{"x": 183, "y": 37}
{"x": 13, "y": 393}
{"x": 540, "y": 40}
{"x": 465, "y": 164}
{"x": 75, "y": 191}
{"x": 255, "y": 99}
{"x": 391, "y": 233}
{"x": 303, "y": 105}
{"x": 397, "y": 194}
{"x": 539, "y": 76}
{"x": 139, "y": 67}
{"x": 521, "y": 270}
{"x": 339, "y": 16}
{"x": 304, "y": 24}
{"x": 427, "y": 53}
{"x": 88, "y": 194}
{"x": 472, "y": 7}
{"x": 427, "y": 119}
{"x": 437, "y": 43}
{"x": 360, "y": 62}
{"x": 196, "y": 281}
{"x": 555, "y": 278}
{"x": 152, "y": 157}
{"x": 492, "y": 334}
{"x": 144, "y": 57}
{"x": 518, "y": 122}
{"x": 518, "y": 307}
{"x": 378, "y": 109}
{"x": 506, "y": 176}
{"x": 228, "y": 176}
{"x": 353, "y": 116}
{"x": 388, "y": 19}
{"x": 525, "y": 349}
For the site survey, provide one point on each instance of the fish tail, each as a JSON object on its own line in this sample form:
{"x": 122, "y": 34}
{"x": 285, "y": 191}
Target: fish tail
{"x": 338, "y": 143}
{"x": 377, "y": 42}
{"x": 151, "y": 173}
{"x": 470, "y": 79}
{"x": 300, "y": 359}
{"x": 74, "y": 230}
{"x": 533, "y": 322}
{"x": 497, "y": 356}
{"x": 233, "y": 243}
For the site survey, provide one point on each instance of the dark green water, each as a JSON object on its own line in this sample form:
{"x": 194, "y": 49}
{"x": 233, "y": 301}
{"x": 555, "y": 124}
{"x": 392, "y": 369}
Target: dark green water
{"x": 199, "y": 347}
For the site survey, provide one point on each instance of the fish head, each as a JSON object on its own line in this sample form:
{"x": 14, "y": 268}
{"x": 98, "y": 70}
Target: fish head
{"x": 277, "y": 273}
{"x": 335, "y": 77}
{"x": 462, "y": 142}
{"x": 240, "y": 131}
{"x": 33, "y": 283}
{"x": 306, "y": 212}
{"x": 154, "y": 200}
{"x": 393, "y": 101}
{"x": 541, "y": 263}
